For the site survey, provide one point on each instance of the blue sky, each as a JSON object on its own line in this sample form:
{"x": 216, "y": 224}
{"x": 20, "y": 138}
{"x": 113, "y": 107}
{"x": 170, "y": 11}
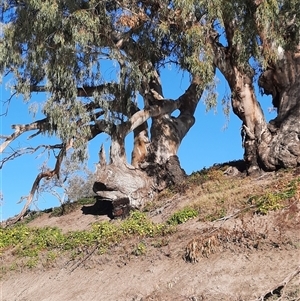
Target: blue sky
{"x": 205, "y": 144}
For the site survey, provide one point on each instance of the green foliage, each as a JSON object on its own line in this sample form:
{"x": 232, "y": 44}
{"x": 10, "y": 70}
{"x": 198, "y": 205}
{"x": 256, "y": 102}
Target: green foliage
{"x": 106, "y": 233}
{"x": 138, "y": 223}
{"x": 291, "y": 189}
{"x": 14, "y": 236}
{"x": 37, "y": 239}
{"x": 272, "y": 201}
{"x": 31, "y": 242}
{"x": 58, "y": 47}
{"x": 61, "y": 46}
{"x": 140, "y": 249}
{"x": 32, "y": 262}
{"x": 85, "y": 201}
{"x": 51, "y": 256}
{"x": 182, "y": 216}
{"x": 57, "y": 211}
{"x": 267, "y": 202}
{"x": 199, "y": 177}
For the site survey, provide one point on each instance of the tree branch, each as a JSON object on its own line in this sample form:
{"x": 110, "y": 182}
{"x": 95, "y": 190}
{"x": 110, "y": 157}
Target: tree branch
{"x": 7, "y": 102}
{"x": 44, "y": 174}
{"x": 165, "y": 106}
{"x": 40, "y": 125}
{"x": 85, "y": 91}
{"x": 24, "y": 151}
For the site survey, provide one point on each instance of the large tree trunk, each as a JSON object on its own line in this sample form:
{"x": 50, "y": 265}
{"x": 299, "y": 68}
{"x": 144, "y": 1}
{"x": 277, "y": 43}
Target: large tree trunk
{"x": 282, "y": 81}
{"x": 155, "y": 164}
{"x": 268, "y": 146}
{"x": 276, "y": 144}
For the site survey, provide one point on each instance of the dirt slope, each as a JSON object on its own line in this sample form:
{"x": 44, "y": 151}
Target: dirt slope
{"x": 238, "y": 254}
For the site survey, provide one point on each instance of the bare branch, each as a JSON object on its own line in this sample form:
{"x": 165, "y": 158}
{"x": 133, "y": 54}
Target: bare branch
{"x": 28, "y": 150}
{"x": 40, "y": 125}
{"x": 85, "y": 91}
{"x": 100, "y": 126}
{"x": 44, "y": 174}
{"x": 7, "y": 102}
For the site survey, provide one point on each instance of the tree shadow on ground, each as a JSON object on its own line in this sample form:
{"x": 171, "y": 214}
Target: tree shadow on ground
{"x": 101, "y": 207}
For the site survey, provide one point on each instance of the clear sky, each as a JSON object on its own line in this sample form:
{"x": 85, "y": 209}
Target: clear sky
{"x": 205, "y": 144}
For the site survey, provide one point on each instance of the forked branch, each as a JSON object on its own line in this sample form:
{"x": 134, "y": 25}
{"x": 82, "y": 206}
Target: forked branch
{"x": 27, "y": 150}
{"x": 48, "y": 174}
{"x": 22, "y": 128}
{"x": 165, "y": 106}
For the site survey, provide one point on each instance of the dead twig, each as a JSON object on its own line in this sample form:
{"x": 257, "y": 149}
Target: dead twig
{"x": 87, "y": 256}
{"x": 26, "y": 150}
{"x": 40, "y": 125}
{"x": 227, "y": 217}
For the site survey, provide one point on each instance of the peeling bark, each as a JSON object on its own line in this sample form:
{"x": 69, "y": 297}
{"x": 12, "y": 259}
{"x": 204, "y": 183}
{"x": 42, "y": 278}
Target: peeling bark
{"x": 244, "y": 104}
{"x": 120, "y": 181}
{"x": 40, "y": 125}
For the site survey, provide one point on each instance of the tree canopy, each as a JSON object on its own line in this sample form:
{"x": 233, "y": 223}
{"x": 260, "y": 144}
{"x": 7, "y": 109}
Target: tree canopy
{"x": 59, "y": 48}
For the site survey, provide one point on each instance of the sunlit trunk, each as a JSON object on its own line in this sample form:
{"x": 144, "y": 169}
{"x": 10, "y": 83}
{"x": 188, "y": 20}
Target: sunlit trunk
{"x": 155, "y": 164}
{"x": 282, "y": 81}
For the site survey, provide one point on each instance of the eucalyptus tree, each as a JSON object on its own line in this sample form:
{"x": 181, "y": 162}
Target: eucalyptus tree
{"x": 257, "y": 42}
{"x": 268, "y": 32}
{"x": 58, "y": 47}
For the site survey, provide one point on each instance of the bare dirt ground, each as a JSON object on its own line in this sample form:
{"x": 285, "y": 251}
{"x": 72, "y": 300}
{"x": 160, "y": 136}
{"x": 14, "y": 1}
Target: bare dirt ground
{"x": 240, "y": 256}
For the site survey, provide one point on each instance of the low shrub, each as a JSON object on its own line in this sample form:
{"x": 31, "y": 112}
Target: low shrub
{"x": 182, "y": 216}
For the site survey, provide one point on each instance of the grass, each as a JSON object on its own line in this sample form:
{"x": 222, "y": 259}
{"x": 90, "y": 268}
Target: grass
{"x": 275, "y": 200}
{"x": 64, "y": 209}
{"x": 213, "y": 195}
{"x": 69, "y": 207}
{"x": 209, "y": 195}
{"x": 30, "y": 243}
{"x": 182, "y": 216}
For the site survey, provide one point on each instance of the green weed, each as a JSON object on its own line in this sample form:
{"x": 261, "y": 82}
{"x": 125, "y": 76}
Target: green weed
{"x": 32, "y": 262}
{"x": 182, "y": 216}
{"x": 272, "y": 201}
{"x": 140, "y": 249}
{"x": 31, "y": 242}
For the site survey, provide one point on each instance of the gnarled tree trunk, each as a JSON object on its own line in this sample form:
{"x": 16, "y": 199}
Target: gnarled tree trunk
{"x": 155, "y": 164}
{"x": 268, "y": 146}
{"x": 282, "y": 81}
